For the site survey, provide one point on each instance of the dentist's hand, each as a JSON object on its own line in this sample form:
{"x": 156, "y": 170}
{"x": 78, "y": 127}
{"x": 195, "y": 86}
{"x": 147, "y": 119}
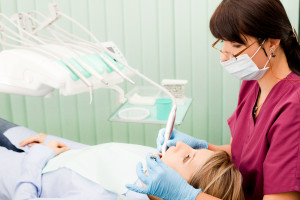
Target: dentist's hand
{"x": 179, "y": 136}
{"x": 163, "y": 181}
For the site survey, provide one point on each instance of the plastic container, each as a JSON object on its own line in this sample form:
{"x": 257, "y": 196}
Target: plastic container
{"x": 143, "y": 95}
{"x": 163, "y": 108}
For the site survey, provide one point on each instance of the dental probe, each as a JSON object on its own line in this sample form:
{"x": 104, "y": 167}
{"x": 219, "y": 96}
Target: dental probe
{"x": 169, "y": 128}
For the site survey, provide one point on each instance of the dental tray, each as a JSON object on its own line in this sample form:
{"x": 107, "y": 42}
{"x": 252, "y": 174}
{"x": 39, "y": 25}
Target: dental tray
{"x": 151, "y": 119}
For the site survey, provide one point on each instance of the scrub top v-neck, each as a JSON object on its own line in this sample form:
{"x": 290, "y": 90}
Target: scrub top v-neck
{"x": 266, "y": 150}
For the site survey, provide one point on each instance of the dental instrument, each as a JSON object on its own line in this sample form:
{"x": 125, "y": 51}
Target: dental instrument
{"x": 169, "y": 128}
{"x": 82, "y": 45}
{"x": 68, "y": 87}
{"x": 61, "y": 42}
{"x": 55, "y": 14}
{"x": 42, "y": 47}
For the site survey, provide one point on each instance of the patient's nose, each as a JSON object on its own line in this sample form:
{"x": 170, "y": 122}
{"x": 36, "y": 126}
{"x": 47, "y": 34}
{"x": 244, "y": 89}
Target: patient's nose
{"x": 181, "y": 144}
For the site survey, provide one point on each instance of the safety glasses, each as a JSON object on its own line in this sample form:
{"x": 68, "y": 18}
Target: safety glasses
{"x": 218, "y": 46}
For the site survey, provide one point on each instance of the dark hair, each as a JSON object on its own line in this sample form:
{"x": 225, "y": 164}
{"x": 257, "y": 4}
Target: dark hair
{"x": 262, "y": 19}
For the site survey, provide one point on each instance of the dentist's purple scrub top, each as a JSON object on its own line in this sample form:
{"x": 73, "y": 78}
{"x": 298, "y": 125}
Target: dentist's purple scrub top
{"x": 267, "y": 150}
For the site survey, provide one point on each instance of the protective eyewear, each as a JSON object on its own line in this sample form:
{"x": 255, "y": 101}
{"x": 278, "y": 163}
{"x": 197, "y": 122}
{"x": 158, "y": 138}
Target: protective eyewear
{"x": 216, "y": 45}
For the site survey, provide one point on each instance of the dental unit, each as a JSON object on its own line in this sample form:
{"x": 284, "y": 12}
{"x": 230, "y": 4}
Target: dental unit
{"x": 35, "y": 64}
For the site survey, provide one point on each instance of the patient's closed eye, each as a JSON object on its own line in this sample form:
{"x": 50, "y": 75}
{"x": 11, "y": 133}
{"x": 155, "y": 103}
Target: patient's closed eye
{"x": 186, "y": 158}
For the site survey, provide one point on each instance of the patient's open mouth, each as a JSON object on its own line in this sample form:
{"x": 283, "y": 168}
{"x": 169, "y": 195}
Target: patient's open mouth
{"x": 159, "y": 154}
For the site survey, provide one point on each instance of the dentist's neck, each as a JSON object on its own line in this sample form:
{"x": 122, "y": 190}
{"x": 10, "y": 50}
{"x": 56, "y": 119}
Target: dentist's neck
{"x": 279, "y": 69}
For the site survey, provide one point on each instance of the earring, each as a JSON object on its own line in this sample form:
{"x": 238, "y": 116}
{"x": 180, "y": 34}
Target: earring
{"x": 272, "y": 53}
{"x": 295, "y": 35}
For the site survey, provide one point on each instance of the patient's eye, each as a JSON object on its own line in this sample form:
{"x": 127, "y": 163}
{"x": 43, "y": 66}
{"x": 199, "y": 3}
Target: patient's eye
{"x": 186, "y": 158}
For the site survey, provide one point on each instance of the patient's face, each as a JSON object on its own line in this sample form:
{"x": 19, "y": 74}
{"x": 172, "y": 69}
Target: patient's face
{"x": 185, "y": 160}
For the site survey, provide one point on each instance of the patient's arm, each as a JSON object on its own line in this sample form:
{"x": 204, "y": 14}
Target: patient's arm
{"x": 19, "y": 133}
{"x": 42, "y": 138}
{"x": 35, "y": 139}
{"x": 71, "y": 144}
{"x": 29, "y": 185}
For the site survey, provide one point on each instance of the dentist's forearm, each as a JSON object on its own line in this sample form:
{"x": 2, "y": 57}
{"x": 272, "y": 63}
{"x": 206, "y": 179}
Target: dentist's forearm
{"x": 203, "y": 196}
{"x": 226, "y": 148}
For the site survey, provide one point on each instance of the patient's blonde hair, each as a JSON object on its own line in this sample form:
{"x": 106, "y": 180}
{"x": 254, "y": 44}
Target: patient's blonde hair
{"x": 218, "y": 177}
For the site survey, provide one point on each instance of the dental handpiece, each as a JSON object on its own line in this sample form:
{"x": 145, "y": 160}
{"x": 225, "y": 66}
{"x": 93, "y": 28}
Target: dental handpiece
{"x": 169, "y": 128}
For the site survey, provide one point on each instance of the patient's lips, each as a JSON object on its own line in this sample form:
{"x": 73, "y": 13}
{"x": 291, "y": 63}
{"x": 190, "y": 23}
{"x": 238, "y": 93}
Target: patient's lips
{"x": 159, "y": 154}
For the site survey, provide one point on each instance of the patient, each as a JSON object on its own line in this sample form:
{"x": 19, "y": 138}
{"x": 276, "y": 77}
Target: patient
{"x": 213, "y": 172}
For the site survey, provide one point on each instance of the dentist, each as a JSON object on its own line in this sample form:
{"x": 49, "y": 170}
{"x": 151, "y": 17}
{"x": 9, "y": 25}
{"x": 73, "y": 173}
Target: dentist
{"x": 259, "y": 46}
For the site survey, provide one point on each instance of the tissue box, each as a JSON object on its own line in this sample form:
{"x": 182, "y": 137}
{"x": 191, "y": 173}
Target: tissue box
{"x": 175, "y": 87}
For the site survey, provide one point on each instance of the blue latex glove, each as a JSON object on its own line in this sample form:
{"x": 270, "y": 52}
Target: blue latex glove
{"x": 163, "y": 181}
{"x": 179, "y": 136}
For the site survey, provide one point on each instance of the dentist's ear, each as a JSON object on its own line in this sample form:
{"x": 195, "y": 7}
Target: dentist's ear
{"x": 273, "y": 44}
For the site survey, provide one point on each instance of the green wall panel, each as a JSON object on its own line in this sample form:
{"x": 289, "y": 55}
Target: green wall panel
{"x": 160, "y": 38}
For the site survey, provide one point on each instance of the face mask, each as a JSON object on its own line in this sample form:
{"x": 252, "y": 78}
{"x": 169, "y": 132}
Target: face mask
{"x": 243, "y": 67}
